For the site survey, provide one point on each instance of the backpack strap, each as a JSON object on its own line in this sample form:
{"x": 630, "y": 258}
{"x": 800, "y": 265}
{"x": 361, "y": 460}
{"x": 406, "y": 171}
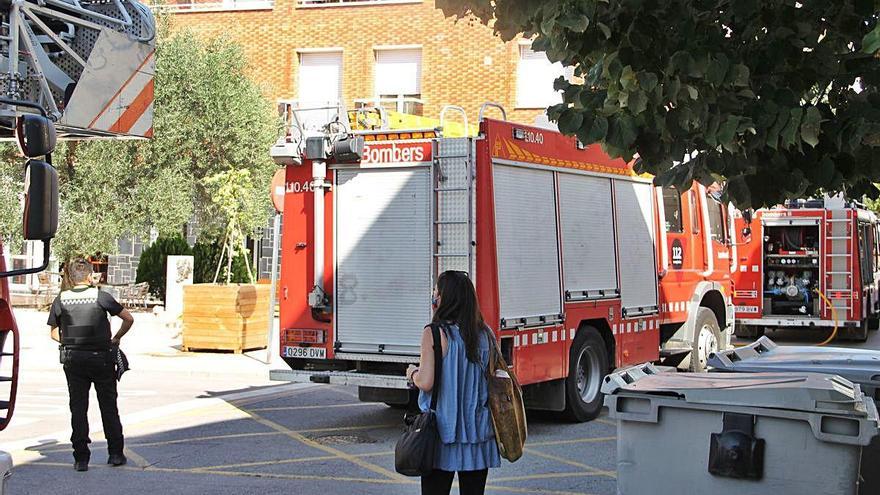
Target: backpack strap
{"x": 438, "y": 364}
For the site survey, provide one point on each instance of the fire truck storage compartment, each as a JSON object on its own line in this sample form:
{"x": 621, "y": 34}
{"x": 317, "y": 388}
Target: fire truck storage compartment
{"x": 589, "y": 259}
{"x": 527, "y": 245}
{"x": 791, "y": 267}
{"x": 383, "y": 259}
{"x": 635, "y": 228}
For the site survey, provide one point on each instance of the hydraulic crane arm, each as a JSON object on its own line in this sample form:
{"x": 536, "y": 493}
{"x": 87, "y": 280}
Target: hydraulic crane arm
{"x": 89, "y": 64}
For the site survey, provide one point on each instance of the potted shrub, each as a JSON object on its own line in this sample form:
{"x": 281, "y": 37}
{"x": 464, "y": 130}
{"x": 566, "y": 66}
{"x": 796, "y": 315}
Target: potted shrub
{"x": 227, "y": 314}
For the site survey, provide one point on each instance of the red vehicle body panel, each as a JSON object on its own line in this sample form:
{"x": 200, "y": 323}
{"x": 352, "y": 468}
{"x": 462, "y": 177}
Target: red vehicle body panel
{"x": 539, "y": 354}
{"x": 749, "y": 278}
{"x": 7, "y": 321}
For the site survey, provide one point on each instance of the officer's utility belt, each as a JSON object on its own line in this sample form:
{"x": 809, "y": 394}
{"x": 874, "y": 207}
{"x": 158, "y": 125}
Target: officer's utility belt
{"x": 78, "y": 357}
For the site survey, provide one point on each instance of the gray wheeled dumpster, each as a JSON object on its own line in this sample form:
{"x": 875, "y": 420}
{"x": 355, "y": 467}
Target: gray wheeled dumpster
{"x": 737, "y": 434}
{"x": 860, "y": 366}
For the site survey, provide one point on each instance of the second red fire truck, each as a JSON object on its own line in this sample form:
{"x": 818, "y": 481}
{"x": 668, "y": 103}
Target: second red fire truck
{"x": 807, "y": 264}
{"x": 580, "y": 264}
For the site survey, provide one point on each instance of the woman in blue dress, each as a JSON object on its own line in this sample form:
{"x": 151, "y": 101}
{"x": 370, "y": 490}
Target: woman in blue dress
{"x": 467, "y": 441}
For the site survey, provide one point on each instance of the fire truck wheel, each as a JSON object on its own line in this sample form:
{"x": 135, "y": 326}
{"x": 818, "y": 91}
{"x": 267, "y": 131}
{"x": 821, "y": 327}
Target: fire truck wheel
{"x": 707, "y": 335}
{"x": 588, "y": 365}
{"x": 748, "y": 332}
{"x": 857, "y": 334}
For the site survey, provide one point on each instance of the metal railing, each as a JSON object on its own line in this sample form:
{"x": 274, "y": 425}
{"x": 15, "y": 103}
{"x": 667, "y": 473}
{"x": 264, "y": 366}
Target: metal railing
{"x": 402, "y": 104}
{"x": 184, "y": 6}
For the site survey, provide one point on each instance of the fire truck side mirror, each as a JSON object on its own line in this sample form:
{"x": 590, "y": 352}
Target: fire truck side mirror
{"x": 40, "y": 201}
{"x": 747, "y": 217}
{"x": 36, "y": 135}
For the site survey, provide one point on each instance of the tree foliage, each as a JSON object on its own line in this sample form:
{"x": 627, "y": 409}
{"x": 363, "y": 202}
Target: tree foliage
{"x": 756, "y": 92}
{"x": 233, "y": 193}
{"x": 209, "y": 117}
{"x": 152, "y": 267}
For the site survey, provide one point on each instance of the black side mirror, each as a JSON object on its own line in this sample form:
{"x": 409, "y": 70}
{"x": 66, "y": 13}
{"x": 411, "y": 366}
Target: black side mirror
{"x": 40, "y": 201}
{"x": 36, "y": 135}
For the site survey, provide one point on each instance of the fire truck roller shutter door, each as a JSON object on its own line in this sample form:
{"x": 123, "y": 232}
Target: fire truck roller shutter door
{"x": 636, "y": 247}
{"x": 588, "y": 255}
{"x": 528, "y": 251}
{"x": 383, "y": 259}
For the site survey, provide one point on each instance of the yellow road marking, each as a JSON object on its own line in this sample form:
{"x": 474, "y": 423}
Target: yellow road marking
{"x": 236, "y": 435}
{"x": 544, "y": 476}
{"x": 330, "y": 450}
{"x": 298, "y": 408}
{"x": 257, "y": 474}
{"x": 138, "y": 460}
{"x": 606, "y": 421}
{"x": 563, "y": 460}
{"x": 568, "y": 442}
{"x": 293, "y": 460}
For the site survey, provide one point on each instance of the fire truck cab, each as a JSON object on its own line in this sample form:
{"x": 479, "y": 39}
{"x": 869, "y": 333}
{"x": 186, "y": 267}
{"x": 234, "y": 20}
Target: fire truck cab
{"x": 580, "y": 264}
{"x": 809, "y": 263}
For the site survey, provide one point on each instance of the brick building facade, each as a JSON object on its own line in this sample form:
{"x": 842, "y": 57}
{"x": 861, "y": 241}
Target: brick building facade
{"x": 456, "y": 62}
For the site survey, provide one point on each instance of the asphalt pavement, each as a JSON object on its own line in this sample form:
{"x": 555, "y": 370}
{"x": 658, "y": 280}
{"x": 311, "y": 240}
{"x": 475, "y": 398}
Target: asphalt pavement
{"x": 213, "y": 423}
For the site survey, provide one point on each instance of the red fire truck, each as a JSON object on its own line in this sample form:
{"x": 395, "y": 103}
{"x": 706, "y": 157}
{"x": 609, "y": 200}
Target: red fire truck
{"x": 810, "y": 263}
{"x": 580, "y": 264}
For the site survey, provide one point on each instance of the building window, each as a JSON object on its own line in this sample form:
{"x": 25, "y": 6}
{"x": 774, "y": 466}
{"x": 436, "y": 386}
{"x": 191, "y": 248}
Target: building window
{"x": 183, "y": 6}
{"x": 534, "y": 79}
{"x": 398, "y": 80}
{"x": 351, "y": 3}
{"x": 672, "y": 208}
{"x": 320, "y": 87}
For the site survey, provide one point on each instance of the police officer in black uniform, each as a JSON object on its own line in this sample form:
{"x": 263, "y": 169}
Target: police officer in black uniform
{"x": 81, "y": 315}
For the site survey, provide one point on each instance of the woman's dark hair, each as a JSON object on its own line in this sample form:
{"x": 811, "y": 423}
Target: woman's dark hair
{"x": 458, "y": 303}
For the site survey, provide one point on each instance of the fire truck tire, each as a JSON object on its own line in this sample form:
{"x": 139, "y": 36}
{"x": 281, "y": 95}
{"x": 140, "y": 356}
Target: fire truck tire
{"x": 857, "y": 334}
{"x": 748, "y": 332}
{"x": 587, "y": 366}
{"x": 707, "y": 335}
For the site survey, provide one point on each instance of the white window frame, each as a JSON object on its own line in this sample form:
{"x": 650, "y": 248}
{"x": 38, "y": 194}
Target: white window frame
{"x": 528, "y": 101}
{"x": 399, "y": 101}
{"x": 215, "y": 6}
{"x": 317, "y": 4}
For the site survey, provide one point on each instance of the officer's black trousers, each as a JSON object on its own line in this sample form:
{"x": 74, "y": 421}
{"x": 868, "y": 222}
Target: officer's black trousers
{"x": 79, "y": 380}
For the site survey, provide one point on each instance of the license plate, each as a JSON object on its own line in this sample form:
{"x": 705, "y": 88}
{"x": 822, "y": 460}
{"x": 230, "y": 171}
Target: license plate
{"x": 305, "y": 352}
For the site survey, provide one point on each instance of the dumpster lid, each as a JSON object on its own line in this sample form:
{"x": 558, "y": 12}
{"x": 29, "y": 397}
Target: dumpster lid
{"x": 807, "y": 392}
{"x": 860, "y": 366}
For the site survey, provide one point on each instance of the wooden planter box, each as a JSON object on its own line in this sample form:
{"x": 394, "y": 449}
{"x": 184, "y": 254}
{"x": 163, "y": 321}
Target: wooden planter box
{"x": 225, "y": 317}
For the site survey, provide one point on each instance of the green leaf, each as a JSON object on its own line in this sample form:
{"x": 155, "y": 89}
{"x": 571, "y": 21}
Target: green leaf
{"x": 576, "y": 23}
{"x": 727, "y": 133}
{"x": 606, "y": 31}
{"x": 811, "y": 126}
{"x": 647, "y": 81}
{"x": 598, "y": 130}
{"x": 789, "y": 133}
{"x": 773, "y": 134}
{"x": 739, "y": 75}
{"x": 871, "y": 41}
{"x": 672, "y": 88}
{"x": 638, "y": 101}
{"x": 717, "y": 70}
{"x": 692, "y": 92}
{"x": 570, "y": 121}
{"x": 627, "y": 78}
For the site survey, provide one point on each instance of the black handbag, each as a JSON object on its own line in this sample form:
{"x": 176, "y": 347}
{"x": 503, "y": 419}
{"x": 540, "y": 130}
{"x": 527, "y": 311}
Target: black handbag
{"x": 415, "y": 450}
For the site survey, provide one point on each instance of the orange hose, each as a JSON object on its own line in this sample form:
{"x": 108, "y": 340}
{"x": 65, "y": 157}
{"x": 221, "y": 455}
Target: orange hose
{"x": 833, "y": 315}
